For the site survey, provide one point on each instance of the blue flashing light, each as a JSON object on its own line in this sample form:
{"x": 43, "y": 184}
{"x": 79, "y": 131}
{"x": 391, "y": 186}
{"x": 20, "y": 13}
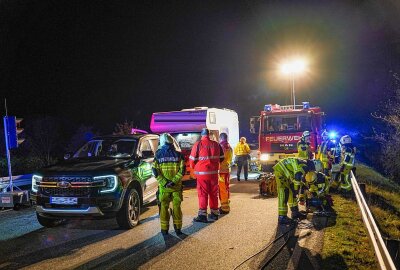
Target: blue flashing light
{"x": 332, "y": 135}
{"x": 268, "y": 108}
{"x": 306, "y": 105}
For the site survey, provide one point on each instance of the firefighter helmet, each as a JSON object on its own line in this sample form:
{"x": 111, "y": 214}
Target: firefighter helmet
{"x": 166, "y": 138}
{"x": 311, "y": 176}
{"x": 346, "y": 139}
{"x": 306, "y": 134}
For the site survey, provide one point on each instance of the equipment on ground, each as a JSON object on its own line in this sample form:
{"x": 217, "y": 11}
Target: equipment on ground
{"x": 267, "y": 185}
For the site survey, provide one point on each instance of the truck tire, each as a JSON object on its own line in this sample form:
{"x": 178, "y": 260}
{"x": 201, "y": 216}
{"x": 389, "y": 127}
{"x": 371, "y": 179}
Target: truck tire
{"x": 48, "y": 222}
{"x": 128, "y": 215}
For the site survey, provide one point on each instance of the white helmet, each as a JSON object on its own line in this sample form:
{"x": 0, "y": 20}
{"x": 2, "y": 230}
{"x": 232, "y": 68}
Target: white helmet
{"x": 325, "y": 135}
{"x": 346, "y": 139}
{"x": 306, "y": 134}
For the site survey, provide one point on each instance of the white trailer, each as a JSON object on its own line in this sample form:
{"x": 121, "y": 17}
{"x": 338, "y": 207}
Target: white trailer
{"x": 185, "y": 126}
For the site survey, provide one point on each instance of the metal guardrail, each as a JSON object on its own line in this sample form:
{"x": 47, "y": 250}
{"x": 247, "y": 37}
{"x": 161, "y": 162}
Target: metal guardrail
{"x": 18, "y": 181}
{"x": 381, "y": 252}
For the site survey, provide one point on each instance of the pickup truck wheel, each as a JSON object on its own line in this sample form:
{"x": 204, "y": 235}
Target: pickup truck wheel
{"x": 128, "y": 215}
{"x": 48, "y": 222}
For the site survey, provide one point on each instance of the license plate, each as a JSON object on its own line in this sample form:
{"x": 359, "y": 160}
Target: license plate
{"x": 64, "y": 200}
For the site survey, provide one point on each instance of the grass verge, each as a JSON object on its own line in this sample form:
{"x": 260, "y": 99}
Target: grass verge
{"x": 346, "y": 244}
{"x": 383, "y": 198}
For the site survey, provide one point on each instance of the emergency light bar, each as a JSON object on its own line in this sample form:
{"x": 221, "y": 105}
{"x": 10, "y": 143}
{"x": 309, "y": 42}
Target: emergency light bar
{"x": 306, "y": 105}
{"x": 276, "y": 107}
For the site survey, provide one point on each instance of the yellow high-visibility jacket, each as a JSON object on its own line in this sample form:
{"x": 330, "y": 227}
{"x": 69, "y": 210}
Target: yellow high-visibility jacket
{"x": 242, "y": 149}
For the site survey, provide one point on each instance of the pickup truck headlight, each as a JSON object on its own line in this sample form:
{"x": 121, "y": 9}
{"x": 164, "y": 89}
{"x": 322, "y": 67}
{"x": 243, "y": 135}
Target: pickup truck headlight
{"x": 35, "y": 179}
{"x": 111, "y": 182}
{"x": 264, "y": 157}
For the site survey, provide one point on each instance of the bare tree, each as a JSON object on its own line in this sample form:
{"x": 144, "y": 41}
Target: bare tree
{"x": 389, "y": 135}
{"x": 124, "y": 128}
{"x": 43, "y": 138}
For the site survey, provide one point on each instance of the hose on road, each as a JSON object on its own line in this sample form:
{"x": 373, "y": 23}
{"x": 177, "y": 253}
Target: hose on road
{"x": 293, "y": 227}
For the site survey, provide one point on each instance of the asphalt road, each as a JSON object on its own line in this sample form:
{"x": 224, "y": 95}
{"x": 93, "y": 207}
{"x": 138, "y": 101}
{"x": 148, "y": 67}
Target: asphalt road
{"x": 224, "y": 244}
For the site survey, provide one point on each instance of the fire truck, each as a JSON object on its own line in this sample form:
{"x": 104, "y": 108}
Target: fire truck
{"x": 281, "y": 127}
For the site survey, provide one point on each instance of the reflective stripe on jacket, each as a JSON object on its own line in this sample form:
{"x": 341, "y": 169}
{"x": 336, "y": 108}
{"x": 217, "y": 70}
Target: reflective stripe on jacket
{"x": 323, "y": 149}
{"x": 348, "y": 156}
{"x": 206, "y": 156}
{"x": 288, "y": 167}
{"x": 242, "y": 149}
{"x": 304, "y": 149}
{"x": 225, "y": 166}
{"x": 169, "y": 165}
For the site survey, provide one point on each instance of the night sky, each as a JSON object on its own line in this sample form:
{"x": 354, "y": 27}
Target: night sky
{"x": 101, "y": 62}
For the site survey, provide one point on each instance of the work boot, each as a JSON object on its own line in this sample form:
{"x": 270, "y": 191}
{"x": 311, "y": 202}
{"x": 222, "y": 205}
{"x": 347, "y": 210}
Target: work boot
{"x": 178, "y": 231}
{"x": 222, "y": 212}
{"x": 164, "y": 232}
{"x": 284, "y": 220}
{"x": 213, "y": 216}
{"x": 296, "y": 214}
{"x": 238, "y": 178}
{"x": 201, "y": 218}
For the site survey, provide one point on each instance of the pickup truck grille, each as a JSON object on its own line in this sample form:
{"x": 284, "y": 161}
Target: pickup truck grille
{"x": 50, "y": 187}
{"x": 55, "y": 191}
{"x": 70, "y": 179}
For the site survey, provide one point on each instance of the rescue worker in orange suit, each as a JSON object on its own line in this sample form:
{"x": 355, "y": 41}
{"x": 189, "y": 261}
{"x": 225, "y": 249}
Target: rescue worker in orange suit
{"x": 205, "y": 159}
{"x": 224, "y": 174}
{"x": 303, "y": 146}
{"x": 242, "y": 153}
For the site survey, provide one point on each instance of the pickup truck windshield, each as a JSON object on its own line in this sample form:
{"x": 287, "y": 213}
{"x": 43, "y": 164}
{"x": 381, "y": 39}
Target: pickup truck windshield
{"x": 114, "y": 148}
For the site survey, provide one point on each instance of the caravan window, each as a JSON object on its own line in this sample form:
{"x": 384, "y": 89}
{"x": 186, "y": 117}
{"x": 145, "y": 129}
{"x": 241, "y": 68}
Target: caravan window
{"x": 187, "y": 140}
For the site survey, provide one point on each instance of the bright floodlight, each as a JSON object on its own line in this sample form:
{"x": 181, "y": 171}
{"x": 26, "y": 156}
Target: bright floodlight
{"x": 293, "y": 67}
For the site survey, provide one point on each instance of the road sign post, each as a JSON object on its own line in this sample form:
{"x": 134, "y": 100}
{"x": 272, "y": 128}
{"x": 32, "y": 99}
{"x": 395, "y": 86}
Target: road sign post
{"x": 11, "y": 132}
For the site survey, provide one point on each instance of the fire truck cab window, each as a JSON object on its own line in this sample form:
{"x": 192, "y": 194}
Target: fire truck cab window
{"x": 287, "y": 123}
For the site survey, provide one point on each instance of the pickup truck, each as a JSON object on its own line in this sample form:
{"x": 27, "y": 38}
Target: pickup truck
{"x": 108, "y": 177}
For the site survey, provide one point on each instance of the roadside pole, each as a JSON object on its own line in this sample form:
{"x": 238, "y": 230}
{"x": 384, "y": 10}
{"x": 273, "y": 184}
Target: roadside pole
{"x": 6, "y": 136}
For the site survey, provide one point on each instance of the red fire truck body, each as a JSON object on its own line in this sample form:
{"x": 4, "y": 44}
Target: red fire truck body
{"x": 281, "y": 128}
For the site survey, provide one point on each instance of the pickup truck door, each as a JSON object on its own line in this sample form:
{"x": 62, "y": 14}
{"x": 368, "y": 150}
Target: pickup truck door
{"x": 145, "y": 173}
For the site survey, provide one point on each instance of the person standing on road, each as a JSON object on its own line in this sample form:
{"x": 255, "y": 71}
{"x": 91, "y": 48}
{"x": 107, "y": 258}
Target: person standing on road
{"x": 169, "y": 168}
{"x": 289, "y": 173}
{"x": 205, "y": 159}
{"x": 303, "y": 146}
{"x": 242, "y": 153}
{"x": 224, "y": 174}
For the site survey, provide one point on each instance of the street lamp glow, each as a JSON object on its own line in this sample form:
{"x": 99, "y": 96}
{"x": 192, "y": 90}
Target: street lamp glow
{"x": 293, "y": 68}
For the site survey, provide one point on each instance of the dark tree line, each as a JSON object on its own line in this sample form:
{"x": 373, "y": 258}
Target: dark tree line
{"x": 387, "y": 134}
{"x": 47, "y": 139}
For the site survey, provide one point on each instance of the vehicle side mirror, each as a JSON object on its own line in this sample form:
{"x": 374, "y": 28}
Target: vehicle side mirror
{"x": 252, "y": 125}
{"x": 147, "y": 154}
{"x": 67, "y": 155}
